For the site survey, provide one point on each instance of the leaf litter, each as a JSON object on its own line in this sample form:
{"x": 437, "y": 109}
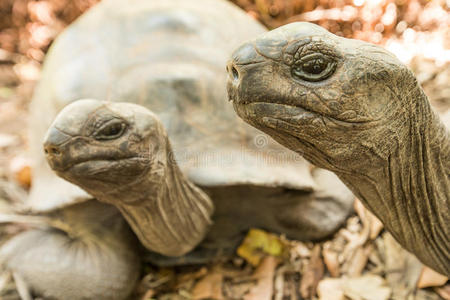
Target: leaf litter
{"x": 361, "y": 261}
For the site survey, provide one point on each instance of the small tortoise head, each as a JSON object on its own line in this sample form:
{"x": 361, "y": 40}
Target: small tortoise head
{"x": 321, "y": 95}
{"x": 101, "y": 146}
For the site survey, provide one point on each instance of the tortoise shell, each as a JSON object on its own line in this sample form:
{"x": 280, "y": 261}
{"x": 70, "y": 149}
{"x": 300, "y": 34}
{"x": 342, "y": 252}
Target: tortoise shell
{"x": 170, "y": 57}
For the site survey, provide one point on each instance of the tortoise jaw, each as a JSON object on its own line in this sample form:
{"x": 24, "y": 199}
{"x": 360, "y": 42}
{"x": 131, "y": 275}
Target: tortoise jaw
{"x": 98, "y": 167}
{"x": 261, "y": 112}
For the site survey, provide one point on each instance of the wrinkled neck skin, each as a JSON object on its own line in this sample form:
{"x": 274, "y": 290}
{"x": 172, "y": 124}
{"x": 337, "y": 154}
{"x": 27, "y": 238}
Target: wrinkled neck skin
{"x": 168, "y": 213}
{"x": 409, "y": 188}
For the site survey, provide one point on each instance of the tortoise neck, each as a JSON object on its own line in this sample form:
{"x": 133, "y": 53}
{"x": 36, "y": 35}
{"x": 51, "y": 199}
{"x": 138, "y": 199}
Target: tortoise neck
{"x": 409, "y": 189}
{"x": 168, "y": 213}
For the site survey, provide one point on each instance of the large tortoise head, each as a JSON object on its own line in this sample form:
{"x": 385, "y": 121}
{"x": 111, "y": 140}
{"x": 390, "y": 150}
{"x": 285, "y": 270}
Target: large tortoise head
{"x": 353, "y": 108}
{"x": 324, "y": 96}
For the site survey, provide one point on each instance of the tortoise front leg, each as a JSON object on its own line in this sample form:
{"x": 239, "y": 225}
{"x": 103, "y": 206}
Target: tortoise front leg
{"x": 97, "y": 259}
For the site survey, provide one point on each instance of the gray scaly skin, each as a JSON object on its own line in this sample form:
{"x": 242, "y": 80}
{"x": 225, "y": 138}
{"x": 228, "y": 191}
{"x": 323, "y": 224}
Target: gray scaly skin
{"x": 353, "y": 108}
{"x": 120, "y": 154}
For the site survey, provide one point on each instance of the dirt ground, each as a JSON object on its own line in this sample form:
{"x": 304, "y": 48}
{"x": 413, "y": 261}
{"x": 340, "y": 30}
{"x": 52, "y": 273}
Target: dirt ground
{"x": 361, "y": 261}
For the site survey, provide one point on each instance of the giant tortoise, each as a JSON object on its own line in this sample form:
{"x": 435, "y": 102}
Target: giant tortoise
{"x": 160, "y": 147}
{"x": 355, "y": 109}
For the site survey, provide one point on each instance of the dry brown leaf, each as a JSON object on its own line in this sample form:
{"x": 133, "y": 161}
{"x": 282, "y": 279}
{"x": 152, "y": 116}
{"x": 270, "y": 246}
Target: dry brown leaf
{"x": 375, "y": 227}
{"x": 331, "y": 260}
{"x": 402, "y": 269}
{"x": 359, "y": 261}
{"x": 186, "y": 279}
{"x": 264, "y": 273}
{"x": 237, "y": 291}
{"x": 369, "y": 220}
{"x": 330, "y": 289}
{"x": 430, "y": 278}
{"x": 368, "y": 287}
{"x": 148, "y": 294}
{"x": 278, "y": 293}
{"x": 444, "y": 291}
{"x": 299, "y": 249}
{"x": 209, "y": 287}
{"x": 312, "y": 274}
{"x": 20, "y": 168}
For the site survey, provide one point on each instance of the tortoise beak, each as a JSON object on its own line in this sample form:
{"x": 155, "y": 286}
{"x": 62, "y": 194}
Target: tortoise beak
{"x": 56, "y": 150}
{"x": 237, "y": 68}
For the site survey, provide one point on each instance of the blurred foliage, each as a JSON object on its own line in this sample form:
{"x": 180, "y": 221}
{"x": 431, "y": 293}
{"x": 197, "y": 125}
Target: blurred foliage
{"x": 370, "y": 20}
{"x": 28, "y": 27}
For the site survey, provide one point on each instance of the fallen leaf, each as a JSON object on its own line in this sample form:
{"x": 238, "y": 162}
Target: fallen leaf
{"x": 430, "y": 278}
{"x": 312, "y": 274}
{"x": 258, "y": 244}
{"x": 20, "y": 167}
{"x": 444, "y": 291}
{"x": 280, "y": 283}
{"x": 368, "y": 219}
{"x": 359, "y": 261}
{"x": 368, "y": 287}
{"x": 402, "y": 269}
{"x": 264, "y": 274}
{"x": 148, "y": 295}
{"x": 187, "y": 279}
{"x": 331, "y": 260}
{"x": 300, "y": 249}
{"x": 330, "y": 289}
{"x": 209, "y": 287}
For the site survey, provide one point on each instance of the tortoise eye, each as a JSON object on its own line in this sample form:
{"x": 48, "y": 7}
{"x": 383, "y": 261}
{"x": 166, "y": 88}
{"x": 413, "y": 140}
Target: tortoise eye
{"x": 110, "y": 130}
{"x": 314, "y": 67}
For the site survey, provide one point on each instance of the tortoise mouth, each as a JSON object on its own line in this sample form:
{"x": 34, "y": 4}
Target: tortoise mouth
{"x": 258, "y": 111}
{"x": 105, "y": 170}
{"x": 261, "y": 112}
{"x": 92, "y": 164}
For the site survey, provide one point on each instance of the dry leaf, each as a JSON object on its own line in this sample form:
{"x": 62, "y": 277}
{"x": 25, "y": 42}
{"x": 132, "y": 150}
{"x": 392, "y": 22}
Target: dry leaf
{"x": 444, "y": 291}
{"x": 209, "y": 287}
{"x": 279, "y": 284}
{"x": 430, "y": 278}
{"x": 359, "y": 261}
{"x": 330, "y": 289}
{"x": 20, "y": 167}
{"x": 300, "y": 249}
{"x": 368, "y": 287}
{"x": 258, "y": 244}
{"x": 402, "y": 269}
{"x": 312, "y": 275}
{"x": 369, "y": 220}
{"x": 331, "y": 260}
{"x": 148, "y": 295}
{"x": 264, "y": 274}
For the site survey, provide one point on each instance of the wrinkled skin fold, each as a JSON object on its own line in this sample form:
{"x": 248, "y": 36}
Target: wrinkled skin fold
{"x": 353, "y": 108}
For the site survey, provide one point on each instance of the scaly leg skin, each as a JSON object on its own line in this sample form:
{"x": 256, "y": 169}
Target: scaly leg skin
{"x": 98, "y": 259}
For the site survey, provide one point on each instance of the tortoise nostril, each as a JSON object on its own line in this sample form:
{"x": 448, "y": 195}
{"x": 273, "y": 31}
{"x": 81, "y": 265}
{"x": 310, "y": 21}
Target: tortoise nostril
{"x": 234, "y": 73}
{"x": 52, "y": 150}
